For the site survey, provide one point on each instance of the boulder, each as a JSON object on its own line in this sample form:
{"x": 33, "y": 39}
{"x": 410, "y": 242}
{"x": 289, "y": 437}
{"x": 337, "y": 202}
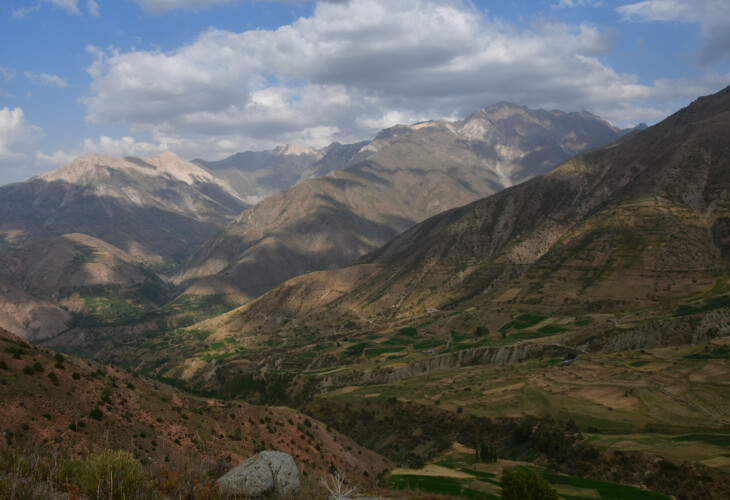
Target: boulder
{"x": 264, "y": 473}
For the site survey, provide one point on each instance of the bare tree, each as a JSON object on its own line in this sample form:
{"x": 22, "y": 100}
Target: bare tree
{"x": 338, "y": 486}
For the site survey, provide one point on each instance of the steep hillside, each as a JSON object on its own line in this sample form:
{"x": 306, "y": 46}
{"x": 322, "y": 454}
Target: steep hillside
{"x": 623, "y": 247}
{"x": 413, "y": 172}
{"x": 23, "y": 314}
{"x": 155, "y": 209}
{"x": 637, "y": 223}
{"x": 72, "y": 406}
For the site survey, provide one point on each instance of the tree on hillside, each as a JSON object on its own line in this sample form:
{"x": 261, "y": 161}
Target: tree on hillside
{"x": 526, "y": 484}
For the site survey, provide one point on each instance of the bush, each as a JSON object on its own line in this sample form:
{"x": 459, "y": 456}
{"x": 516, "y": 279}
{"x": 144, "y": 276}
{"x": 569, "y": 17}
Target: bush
{"x": 37, "y": 366}
{"x": 96, "y": 414}
{"x": 526, "y": 484}
{"x": 76, "y": 376}
{"x": 28, "y": 370}
{"x": 111, "y": 475}
{"x": 3, "y": 366}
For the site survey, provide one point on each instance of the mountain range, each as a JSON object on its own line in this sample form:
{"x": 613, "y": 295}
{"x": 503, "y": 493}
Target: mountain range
{"x": 621, "y": 247}
{"x": 410, "y": 173}
{"x": 119, "y": 237}
{"x": 520, "y": 288}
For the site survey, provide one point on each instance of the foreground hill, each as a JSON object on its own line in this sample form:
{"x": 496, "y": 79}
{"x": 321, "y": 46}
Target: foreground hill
{"x": 57, "y": 404}
{"x": 411, "y": 173}
{"x": 155, "y": 208}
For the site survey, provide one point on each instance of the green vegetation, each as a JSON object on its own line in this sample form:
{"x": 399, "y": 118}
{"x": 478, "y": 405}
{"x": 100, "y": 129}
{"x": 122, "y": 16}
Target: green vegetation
{"x": 606, "y": 490}
{"x": 552, "y": 329}
{"x": 84, "y": 254}
{"x": 526, "y": 484}
{"x": 711, "y": 304}
{"x": 720, "y": 352}
{"x": 437, "y": 485}
{"x": 111, "y": 474}
{"x": 522, "y": 322}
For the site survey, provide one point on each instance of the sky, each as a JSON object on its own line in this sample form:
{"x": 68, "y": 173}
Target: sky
{"x": 208, "y": 78}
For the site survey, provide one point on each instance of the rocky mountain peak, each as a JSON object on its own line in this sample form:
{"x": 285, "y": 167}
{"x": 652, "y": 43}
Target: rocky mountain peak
{"x": 295, "y": 150}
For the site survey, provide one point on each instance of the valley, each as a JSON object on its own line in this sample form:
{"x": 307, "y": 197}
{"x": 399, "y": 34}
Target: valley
{"x": 442, "y": 304}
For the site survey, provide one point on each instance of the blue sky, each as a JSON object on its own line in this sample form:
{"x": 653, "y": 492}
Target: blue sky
{"x": 207, "y": 78}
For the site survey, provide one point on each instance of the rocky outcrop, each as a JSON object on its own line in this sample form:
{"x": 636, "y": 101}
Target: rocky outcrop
{"x": 264, "y": 473}
{"x": 676, "y": 331}
{"x": 468, "y": 357}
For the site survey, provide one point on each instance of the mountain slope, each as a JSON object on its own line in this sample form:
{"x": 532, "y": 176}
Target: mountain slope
{"x": 44, "y": 281}
{"x": 641, "y": 223}
{"x": 66, "y": 406}
{"x": 413, "y": 172}
{"x": 256, "y": 175}
{"x": 156, "y": 208}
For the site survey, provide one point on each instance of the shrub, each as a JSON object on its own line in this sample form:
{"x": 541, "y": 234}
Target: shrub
{"x": 3, "y": 366}
{"x": 76, "y": 376}
{"x": 28, "y": 370}
{"x": 526, "y": 484}
{"x": 96, "y": 414}
{"x": 37, "y": 366}
{"x": 112, "y": 475}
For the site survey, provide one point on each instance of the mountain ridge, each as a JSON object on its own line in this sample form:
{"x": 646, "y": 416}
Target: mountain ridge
{"x": 411, "y": 173}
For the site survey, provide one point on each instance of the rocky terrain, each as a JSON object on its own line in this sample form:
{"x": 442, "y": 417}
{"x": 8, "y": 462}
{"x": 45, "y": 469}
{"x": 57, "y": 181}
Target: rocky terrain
{"x": 410, "y": 173}
{"x": 155, "y": 209}
{"x": 72, "y": 405}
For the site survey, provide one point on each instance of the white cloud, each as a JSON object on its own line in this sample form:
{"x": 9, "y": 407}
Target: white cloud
{"x": 47, "y": 80}
{"x": 563, "y": 4}
{"x": 18, "y": 138}
{"x": 713, "y": 17}
{"x": 7, "y": 74}
{"x": 24, "y": 11}
{"x": 355, "y": 67}
{"x": 93, "y": 8}
{"x": 70, "y": 6}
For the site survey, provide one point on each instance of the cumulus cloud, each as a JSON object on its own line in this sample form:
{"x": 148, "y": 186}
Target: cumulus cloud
{"x": 713, "y": 17}
{"x": 354, "y": 67}
{"x": 18, "y": 138}
{"x": 47, "y": 80}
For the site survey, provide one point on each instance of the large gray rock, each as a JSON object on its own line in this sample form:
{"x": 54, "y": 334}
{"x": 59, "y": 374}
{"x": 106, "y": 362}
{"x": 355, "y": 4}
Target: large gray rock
{"x": 264, "y": 473}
